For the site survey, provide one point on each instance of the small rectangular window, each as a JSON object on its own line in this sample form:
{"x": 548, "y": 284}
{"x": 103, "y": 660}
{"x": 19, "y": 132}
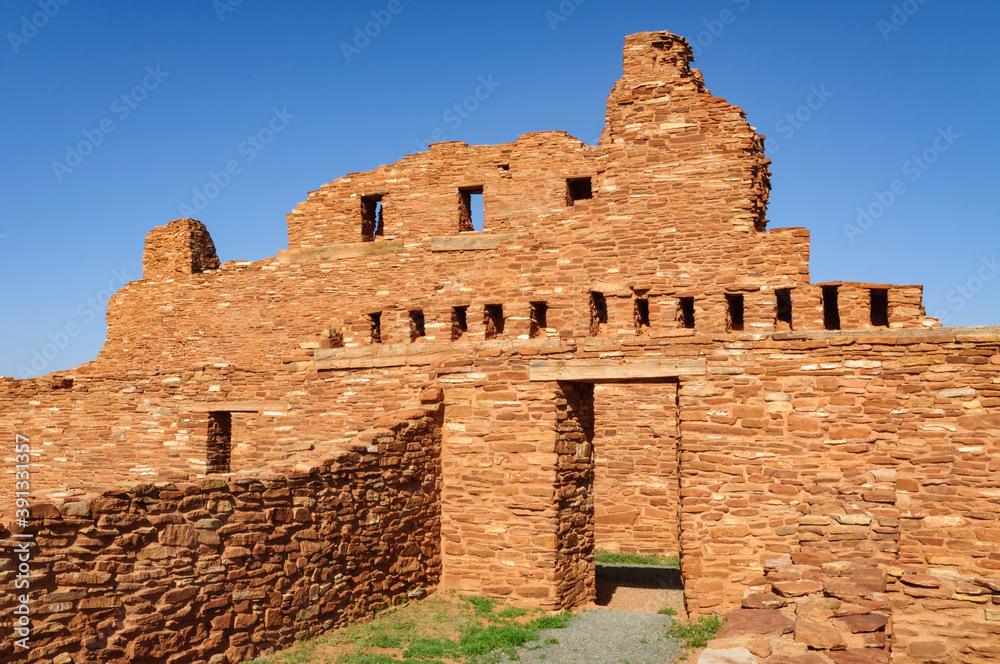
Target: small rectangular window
{"x": 417, "y": 329}
{"x": 784, "y": 306}
{"x": 375, "y": 320}
{"x": 734, "y": 307}
{"x": 459, "y": 322}
{"x": 372, "y": 225}
{"x": 641, "y": 315}
{"x": 578, "y": 189}
{"x": 598, "y": 312}
{"x": 220, "y": 441}
{"x": 539, "y": 312}
{"x": 493, "y": 320}
{"x": 831, "y": 308}
{"x": 471, "y": 209}
{"x": 685, "y": 312}
{"x": 880, "y": 307}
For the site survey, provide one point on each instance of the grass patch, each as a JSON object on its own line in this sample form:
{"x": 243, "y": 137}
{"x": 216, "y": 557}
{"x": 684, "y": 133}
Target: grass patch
{"x": 445, "y": 626}
{"x": 668, "y": 611}
{"x": 622, "y": 558}
{"x": 696, "y": 633}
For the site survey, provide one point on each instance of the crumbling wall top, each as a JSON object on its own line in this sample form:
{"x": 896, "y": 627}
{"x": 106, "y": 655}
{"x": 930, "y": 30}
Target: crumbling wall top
{"x": 183, "y": 246}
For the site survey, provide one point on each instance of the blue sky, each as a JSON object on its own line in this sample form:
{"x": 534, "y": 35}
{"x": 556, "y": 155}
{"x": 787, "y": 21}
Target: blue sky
{"x": 883, "y": 107}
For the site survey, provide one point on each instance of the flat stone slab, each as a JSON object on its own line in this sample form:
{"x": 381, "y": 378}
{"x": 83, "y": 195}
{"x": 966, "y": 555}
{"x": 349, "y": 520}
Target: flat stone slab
{"x": 756, "y": 621}
{"x": 727, "y": 656}
{"x": 604, "y": 369}
{"x": 336, "y": 252}
{"x": 470, "y": 242}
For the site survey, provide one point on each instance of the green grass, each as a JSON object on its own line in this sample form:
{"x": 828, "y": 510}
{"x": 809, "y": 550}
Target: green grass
{"x": 696, "y": 633}
{"x": 472, "y": 630}
{"x": 668, "y": 611}
{"x": 622, "y": 558}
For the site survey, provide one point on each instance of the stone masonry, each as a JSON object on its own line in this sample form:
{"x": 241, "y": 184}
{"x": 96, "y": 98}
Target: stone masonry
{"x": 624, "y": 357}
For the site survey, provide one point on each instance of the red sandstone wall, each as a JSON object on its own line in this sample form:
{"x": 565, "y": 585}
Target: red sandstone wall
{"x": 575, "y": 496}
{"x": 181, "y": 247}
{"x": 235, "y": 566}
{"x": 635, "y": 467}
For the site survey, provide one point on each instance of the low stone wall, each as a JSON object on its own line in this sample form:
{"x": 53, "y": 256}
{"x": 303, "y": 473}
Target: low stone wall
{"x": 944, "y": 617}
{"x": 800, "y": 614}
{"x": 232, "y": 566}
{"x": 854, "y": 613}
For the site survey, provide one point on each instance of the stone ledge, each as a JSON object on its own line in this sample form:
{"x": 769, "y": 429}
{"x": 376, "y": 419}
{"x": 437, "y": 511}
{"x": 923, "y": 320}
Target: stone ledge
{"x": 604, "y": 369}
{"x": 340, "y": 251}
{"x": 471, "y": 242}
{"x": 237, "y": 406}
{"x": 419, "y": 354}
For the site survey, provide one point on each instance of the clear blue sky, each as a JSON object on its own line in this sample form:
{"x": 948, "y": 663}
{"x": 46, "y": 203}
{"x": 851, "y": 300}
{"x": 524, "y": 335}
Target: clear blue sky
{"x": 200, "y": 76}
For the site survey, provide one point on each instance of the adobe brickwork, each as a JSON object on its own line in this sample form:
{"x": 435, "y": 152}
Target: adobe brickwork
{"x": 624, "y": 357}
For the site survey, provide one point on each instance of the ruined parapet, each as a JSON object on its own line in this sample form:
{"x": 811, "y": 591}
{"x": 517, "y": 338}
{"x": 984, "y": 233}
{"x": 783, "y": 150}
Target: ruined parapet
{"x": 656, "y": 67}
{"x": 661, "y": 102}
{"x": 181, "y": 247}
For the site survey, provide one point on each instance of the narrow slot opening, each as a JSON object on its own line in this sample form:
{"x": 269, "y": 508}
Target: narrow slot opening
{"x": 685, "y": 312}
{"x": 459, "y": 322}
{"x": 220, "y": 441}
{"x": 734, "y": 309}
{"x": 375, "y": 320}
{"x": 578, "y": 189}
{"x": 784, "y": 308}
{"x": 831, "y": 309}
{"x": 372, "y": 224}
{"x": 471, "y": 209}
{"x": 417, "y": 329}
{"x": 641, "y": 315}
{"x": 493, "y": 320}
{"x": 538, "y": 323}
{"x": 880, "y": 307}
{"x": 598, "y": 312}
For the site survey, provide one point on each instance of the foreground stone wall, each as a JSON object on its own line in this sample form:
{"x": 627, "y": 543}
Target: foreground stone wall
{"x": 231, "y": 567}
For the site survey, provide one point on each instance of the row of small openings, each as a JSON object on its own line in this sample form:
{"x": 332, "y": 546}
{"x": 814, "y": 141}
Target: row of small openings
{"x": 878, "y": 310}
{"x": 471, "y": 208}
{"x": 640, "y": 313}
{"x": 493, "y": 316}
{"x": 735, "y": 310}
{"x": 493, "y": 322}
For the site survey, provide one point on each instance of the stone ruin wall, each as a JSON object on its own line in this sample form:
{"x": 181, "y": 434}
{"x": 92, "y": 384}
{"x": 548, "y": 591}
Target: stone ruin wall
{"x": 221, "y": 569}
{"x": 608, "y": 422}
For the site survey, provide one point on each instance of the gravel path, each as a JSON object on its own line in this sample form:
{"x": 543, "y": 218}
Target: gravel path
{"x": 605, "y": 636}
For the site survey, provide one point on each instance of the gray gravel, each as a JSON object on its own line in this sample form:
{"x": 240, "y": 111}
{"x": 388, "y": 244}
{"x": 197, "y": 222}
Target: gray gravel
{"x": 604, "y": 636}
